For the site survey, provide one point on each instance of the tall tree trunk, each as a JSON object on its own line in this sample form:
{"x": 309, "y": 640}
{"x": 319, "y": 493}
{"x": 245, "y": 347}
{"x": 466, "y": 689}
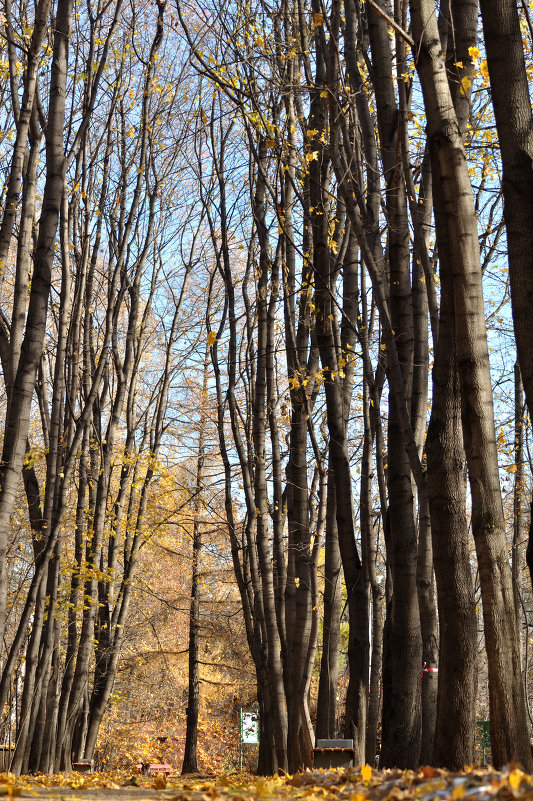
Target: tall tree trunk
{"x": 518, "y": 491}
{"x": 337, "y": 401}
{"x": 456, "y": 219}
{"x": 18, "y": 414}
{"x": 401, "y": 698}
{"x": 329, "y": 663}
{"x": 193, "y": 697}
{"x": 511, "y": 99}
{"x": 454, "y": 740}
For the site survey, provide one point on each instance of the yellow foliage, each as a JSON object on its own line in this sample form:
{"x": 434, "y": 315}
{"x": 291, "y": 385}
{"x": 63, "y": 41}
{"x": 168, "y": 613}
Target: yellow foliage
{"x": 466, "y": 83}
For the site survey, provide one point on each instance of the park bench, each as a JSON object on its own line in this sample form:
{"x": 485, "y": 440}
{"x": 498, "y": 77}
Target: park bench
{"x": 334, "y": 754}
{"x": 148, "y": 768}
{"x": 83, "y": 766}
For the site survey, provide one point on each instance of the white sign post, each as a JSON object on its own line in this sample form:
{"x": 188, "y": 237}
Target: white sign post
{"x": 249, "y": 730}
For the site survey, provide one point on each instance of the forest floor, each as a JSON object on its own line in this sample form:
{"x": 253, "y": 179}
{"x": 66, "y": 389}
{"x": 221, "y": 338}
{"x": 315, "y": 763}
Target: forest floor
{"x": 365, "y": 784}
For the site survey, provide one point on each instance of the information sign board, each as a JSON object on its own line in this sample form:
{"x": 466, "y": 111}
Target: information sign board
{"x": 250, "y": 728}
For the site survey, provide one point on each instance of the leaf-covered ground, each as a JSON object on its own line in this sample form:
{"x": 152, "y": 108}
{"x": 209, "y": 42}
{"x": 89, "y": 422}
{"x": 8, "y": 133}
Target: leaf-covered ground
{"x": 363, "y": 784}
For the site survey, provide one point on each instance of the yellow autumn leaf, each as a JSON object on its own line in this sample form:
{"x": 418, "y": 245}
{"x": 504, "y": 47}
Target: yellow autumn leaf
{"x": 366, "y": 772}
{"x": 474, "y": 53}
{"x": 318, "y": 19}
{"x": 211, "y": 338}
{"x": 294, "y": 382}
{"x": 466, "y": 83}
{"x": 458, "y": 792}
{"x": 515, "y": 778}
{"x": 311, "y": 156}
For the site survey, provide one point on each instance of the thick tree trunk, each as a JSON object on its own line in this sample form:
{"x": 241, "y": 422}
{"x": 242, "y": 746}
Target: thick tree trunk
{"x": 455, "y": 217}
{"x": 401, "y": 695}
{"x": 454, "y": 741}
{"x": 511, "y": 100}
{"x": 18, "y": 414}
{"x": 401, "y": 698}
{"x": 337, "y": 399}
{"x": 356, "y": 585}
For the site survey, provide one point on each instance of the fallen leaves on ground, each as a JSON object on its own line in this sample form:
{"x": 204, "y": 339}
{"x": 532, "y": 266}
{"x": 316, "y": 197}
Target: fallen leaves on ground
{"x": 363, "y": 784}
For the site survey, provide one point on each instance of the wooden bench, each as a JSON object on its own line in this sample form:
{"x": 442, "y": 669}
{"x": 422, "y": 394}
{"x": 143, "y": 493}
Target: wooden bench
{"x": 333, "y": 754}
{"x": 146, "y": 768}
{"x": 83, "y": 766}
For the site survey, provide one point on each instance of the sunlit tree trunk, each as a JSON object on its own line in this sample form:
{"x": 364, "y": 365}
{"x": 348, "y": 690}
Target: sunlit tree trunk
{"x": 456, "y": 218}
{"x": 511, "y": 98}
{"x": 18, "y": 415}
{"x": 329, "y": 663}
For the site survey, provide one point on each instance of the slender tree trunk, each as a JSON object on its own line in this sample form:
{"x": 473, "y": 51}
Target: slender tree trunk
{"x": 329, "y": 663}
{"x": 193, "y": 696}
{"x": 75, "y": 584}
{"x": 20, "y": 755}
{"x": 518, "y": 492}
{"x": 368, "y": 539}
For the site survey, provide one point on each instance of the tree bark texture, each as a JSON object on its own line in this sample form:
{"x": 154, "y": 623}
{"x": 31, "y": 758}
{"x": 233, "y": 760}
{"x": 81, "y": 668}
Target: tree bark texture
{"x": 455, "y": 216}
